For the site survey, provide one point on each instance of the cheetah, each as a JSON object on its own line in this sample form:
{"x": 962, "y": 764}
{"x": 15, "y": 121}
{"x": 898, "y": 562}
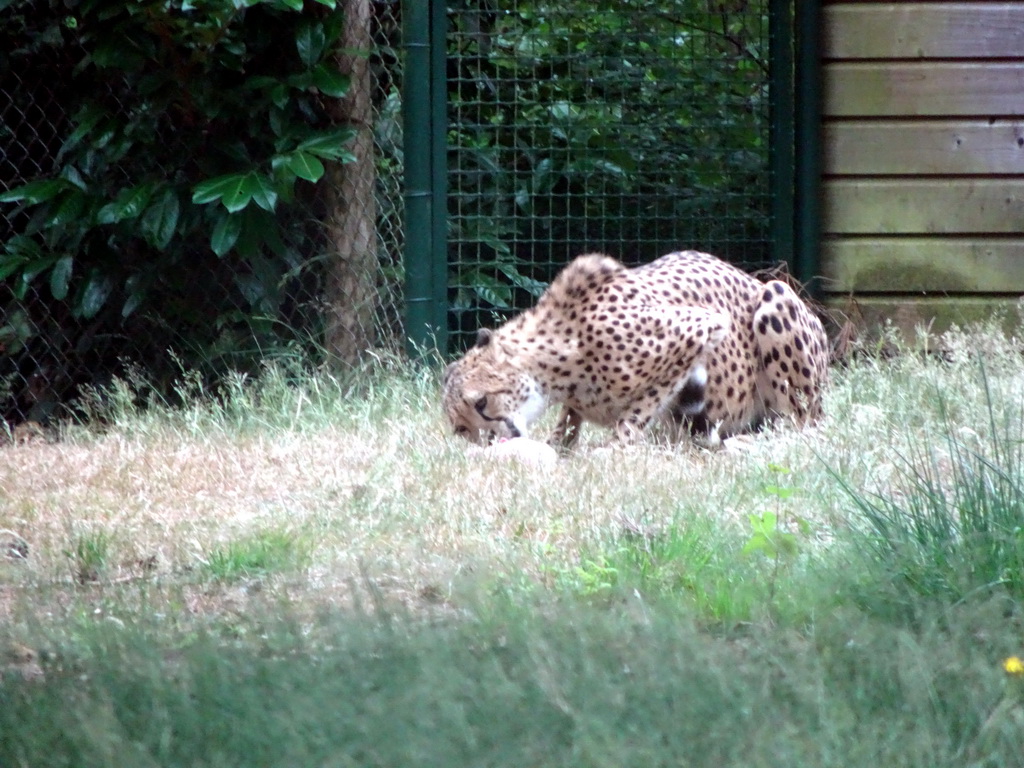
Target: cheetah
{"x": 686, "y": 338}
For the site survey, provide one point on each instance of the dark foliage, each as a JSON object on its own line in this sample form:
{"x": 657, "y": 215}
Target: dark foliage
{"x": 170, "y": 205}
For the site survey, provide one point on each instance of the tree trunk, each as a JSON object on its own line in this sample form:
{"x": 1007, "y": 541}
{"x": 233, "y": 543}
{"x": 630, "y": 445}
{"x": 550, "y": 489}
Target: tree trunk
{"x": 351, "y": 205}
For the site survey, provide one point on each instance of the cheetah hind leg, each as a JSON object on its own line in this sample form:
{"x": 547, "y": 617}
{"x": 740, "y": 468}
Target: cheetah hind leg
{"x": 702, "y": 331}
{"x": 794, "y": 354}
{"x": 687, "y": 416}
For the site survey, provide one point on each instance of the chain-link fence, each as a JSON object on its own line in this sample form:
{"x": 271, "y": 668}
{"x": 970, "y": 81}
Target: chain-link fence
{"x": 624, "y": 126}
{"x": 115, "y": 116}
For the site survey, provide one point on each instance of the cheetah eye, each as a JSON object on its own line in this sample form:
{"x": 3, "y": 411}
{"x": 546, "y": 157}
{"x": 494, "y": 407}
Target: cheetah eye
{"x": 480, "y": 405}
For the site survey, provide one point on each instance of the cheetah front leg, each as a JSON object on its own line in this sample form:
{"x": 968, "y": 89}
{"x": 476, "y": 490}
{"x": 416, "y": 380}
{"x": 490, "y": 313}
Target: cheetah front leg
{"x": 629, "y": 428}
{"x": 567, "y": 431}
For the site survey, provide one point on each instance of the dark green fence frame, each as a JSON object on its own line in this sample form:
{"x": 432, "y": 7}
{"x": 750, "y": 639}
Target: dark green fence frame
{"x": 424, "y": 126}
{"x": 440, "y": 63}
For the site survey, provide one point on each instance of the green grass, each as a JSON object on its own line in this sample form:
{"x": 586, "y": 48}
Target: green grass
{"x": 692, "y": 562}
{"x": 265, "y": 552}
{"x": 953, "y": 524}
{"x": 556, "y": 684}
{"x": 305, "y": 569}
{"x": 89, "y": 556}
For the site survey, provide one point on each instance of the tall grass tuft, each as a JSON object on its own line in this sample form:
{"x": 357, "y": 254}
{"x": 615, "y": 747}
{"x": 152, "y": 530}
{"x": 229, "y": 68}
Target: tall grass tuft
{"x": 953, "y": 523}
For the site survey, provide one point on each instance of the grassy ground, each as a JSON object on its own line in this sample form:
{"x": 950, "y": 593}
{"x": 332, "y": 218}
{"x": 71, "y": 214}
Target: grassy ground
{"x": 308, "y": 571}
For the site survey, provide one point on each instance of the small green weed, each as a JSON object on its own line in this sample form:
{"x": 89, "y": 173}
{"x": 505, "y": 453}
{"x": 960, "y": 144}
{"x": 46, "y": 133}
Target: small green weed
{"x": 260, "y": 554}
{"x": 89, "y": 556}
{"x": 595, "y": 576}
{"x": 691, "y": 561}
{"x": 771, "y": 533}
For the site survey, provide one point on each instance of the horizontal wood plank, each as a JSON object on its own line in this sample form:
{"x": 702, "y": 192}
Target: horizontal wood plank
{"x": 913, "y": 89}
{"x": 923, "y": 30}
{"x": 934, "y": 314}
{"x": 933, "y": 264}
{"x": 925, "y": 148}
{"x": 923, "y": 206}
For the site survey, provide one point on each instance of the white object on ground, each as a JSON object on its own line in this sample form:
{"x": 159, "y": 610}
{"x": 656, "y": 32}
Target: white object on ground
{"x": 524, "y": 450}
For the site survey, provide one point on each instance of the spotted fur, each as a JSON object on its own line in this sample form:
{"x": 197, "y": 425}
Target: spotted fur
{"x": 688, "y": 336}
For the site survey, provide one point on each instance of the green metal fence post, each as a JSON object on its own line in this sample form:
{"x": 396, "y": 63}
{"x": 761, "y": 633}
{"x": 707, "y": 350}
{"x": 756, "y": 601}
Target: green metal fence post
{"x": 781, "y": 130}
{"x": 423, "y": 147}
{"x": 807, "y": 223}
{"x": 439, "y": 168}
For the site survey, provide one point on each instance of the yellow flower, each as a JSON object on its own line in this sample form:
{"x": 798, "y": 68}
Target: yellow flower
{"x": 1014, "y": 666}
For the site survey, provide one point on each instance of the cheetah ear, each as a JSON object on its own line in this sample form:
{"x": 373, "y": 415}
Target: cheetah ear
{"x": 484, "y": 336}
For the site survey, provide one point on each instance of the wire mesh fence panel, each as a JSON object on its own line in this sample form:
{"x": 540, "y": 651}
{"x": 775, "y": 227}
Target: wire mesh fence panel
{"x": 622, "y": 126}
{"x": 194, "y": 186}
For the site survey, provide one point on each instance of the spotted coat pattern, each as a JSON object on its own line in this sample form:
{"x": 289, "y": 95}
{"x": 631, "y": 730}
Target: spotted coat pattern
{"x": 688, "y": 336}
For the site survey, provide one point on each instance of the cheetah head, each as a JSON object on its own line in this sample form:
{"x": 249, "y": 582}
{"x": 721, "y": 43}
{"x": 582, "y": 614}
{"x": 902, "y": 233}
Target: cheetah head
{"x": 487, "y": 396}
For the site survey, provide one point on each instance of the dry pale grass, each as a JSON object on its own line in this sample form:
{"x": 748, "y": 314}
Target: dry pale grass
{"x": 373, "y": 488}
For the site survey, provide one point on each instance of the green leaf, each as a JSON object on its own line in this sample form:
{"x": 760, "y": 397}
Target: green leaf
{"x": 69, "y": 211}
{"x": 35, "y": 192}
{"x": 136, "y": 287}
{"x": 128, "y": 204}
{"x": 238, "y": 195}
{"x": 330, "y": 81}
{"x": 86, "y": 119}
{"x": 330, "y": 144}
{"x": 21, "y": 287}
{"x": 20, "y": 250}
{"x": 72, "y": 174}
{"x": 757, "y": 543}
{"x": 534, "y": 287}
{"x": 260, "y": 230}
{"x": 251, "y": 288}
{"x": 492, "y": 291}
{"x": 16, "y": 331}
{"x": 334, "y": 25}
{"x": 215, "y": 189}
{"x": 329, "y": 3}
{"x": 60, "y": 277}
{"x": 160, "y": 220}
{"x": 225, "y": 233}
{"x": 765, "y": 524}
{"x": 261, "y": 191}
{"x": 310, "y": 41}
{"x": 37, "y": 266}
{"x": 93, "y": 295}
{"x": 8, "y": 267}
{"x": 781, "y": 492}
{"x": 279, "y": 95}
{"x": 280, "y": 124}
{"x": 304, "y": 165}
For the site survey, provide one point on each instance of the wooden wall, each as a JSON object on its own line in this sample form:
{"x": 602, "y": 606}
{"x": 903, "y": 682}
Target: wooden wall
{"x": 924, "y": 157}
